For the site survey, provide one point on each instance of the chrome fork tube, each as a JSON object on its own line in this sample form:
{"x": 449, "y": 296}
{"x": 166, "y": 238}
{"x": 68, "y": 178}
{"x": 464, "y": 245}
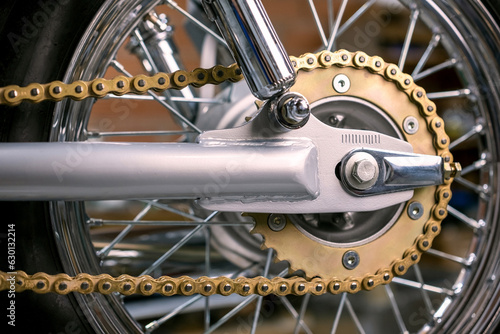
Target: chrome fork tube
{"x": 254, "y": 45}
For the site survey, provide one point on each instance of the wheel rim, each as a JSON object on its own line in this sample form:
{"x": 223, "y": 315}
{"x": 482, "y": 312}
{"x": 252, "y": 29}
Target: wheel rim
{"x": 474, "y": 71}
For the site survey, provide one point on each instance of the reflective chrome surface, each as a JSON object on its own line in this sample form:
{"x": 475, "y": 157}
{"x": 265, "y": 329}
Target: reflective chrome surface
{"x": 254, "y": 44}
{"x": 392, "y": 171}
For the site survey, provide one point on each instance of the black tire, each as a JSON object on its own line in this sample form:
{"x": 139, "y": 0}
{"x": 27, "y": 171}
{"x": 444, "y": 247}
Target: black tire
{"x": 38, "y": 39}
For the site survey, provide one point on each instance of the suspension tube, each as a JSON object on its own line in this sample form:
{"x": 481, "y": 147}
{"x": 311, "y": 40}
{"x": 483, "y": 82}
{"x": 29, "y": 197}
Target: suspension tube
{"x": 99, "y": 171}
{"x": 254, "y": 44}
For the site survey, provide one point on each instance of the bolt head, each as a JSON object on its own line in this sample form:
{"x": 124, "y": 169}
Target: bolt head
{"x": 341, "y": 83}
{"x": 364, "y": 171}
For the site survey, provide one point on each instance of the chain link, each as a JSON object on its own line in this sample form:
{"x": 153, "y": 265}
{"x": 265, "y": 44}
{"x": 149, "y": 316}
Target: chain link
{"x": 146, "y": 285}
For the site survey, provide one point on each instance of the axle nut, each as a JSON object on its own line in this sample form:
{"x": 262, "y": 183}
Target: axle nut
{"x": 361, "y": 171}
{"x": 364, "y": 170}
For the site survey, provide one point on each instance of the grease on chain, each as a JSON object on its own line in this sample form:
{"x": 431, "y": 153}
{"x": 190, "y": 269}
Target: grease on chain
{"x": 146, "y": 285}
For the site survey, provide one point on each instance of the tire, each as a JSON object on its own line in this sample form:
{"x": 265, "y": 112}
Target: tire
{"x": 39, "y": 39}
{"x": 42, "y": 50}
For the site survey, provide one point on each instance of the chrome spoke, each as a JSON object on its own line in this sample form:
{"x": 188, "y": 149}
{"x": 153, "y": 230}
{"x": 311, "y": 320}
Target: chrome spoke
{"x": 447, "y": 64}
{"x": 449, "y": 94}
{"x": 120, "y": 68}
{"x": 355, "y": 16}
{"x": 339, "y": 313}
{"x": 238, "y": 308}
{"x": 464, "y": 218}
{"x": 425, "y": 295}
{"x": 105, "y": 251}
{"x": 478, "y": 128}
{"x": 418, "y": 285}
{"x": 157, "y": 323}
{"x": 137, "y": 133}
{"x": 145, "y": 49}
{"x": 101, "y": 222}
{"x": 178, "y": 245}
{"x": 163, "y": 98}
{"x": 395, "y": 309}
{"x": 425, "y": 56}
{"x": 454, "y": 258}
{"x": 354, "y": 317}
{"x": 231, "y": 313}
{"x": 299, "y": 316}
{"x": 476, "y": 165}
{"x": 195, "y": 21}
{"x": 318, "y": 23}
{"x": 481, "y": 190}
{"x": 409, "y": 35}
{"x": 333, "y": 35}
{"x": 258, "y": 306}
{"x": 331, "y": 15}
{"x": 173, "y": 210}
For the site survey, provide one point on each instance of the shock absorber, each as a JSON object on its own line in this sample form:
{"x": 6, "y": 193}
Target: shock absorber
{"x": 254, "y": 44}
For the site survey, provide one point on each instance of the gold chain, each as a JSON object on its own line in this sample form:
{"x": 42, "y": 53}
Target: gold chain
{"x": 120, "y": 85}
{"x": 146, "y": 285}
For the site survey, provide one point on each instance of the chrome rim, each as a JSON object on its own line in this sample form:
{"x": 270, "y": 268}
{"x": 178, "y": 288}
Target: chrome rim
{"x": 432, "y": 296}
